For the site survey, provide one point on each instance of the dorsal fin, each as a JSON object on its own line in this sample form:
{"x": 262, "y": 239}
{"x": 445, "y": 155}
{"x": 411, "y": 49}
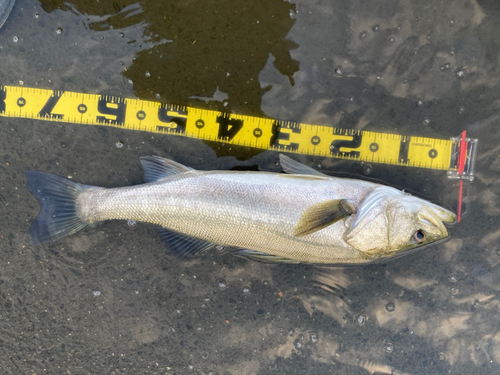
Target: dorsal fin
{"x": 156, "y": 168}
{"x": 294, "y": 167}
{"x": 321, "y": 215}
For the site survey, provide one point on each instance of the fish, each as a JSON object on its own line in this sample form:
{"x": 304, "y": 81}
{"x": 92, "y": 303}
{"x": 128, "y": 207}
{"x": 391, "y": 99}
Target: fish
{"x": 300, "y": 216}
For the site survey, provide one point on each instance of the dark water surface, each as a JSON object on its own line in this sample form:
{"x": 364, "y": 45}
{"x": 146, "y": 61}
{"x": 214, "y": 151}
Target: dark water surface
{"x": 112, "y": 301}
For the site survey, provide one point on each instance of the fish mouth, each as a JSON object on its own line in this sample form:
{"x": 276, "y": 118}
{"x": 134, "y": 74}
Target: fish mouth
{"x": 443, "y": 214}
{"x": 435, "y": 217}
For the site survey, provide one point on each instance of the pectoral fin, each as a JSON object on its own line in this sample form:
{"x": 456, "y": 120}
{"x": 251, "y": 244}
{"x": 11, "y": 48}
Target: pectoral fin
{"x": 321, "y": 215}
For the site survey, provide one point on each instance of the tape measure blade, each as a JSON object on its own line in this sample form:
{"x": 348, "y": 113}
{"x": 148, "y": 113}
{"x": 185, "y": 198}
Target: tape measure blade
{"x": 240, "y": 130}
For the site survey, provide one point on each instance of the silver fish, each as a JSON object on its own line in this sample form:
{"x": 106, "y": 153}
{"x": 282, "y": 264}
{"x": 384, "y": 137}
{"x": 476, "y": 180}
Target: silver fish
{"x": 303, "y": 216}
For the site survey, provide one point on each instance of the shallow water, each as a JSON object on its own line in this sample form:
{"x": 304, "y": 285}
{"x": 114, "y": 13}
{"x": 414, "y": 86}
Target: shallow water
{"x": 112, "y": 301}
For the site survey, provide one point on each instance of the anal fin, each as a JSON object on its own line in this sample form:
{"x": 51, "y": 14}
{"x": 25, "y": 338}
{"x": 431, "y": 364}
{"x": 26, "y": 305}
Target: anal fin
{"x": 182, "y": 245}
{"x": 264, "y": 257}
{"x": 321, "y": 215}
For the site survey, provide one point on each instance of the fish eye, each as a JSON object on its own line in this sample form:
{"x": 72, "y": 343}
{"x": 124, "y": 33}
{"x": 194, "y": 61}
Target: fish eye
{"x": 418, "y": 237}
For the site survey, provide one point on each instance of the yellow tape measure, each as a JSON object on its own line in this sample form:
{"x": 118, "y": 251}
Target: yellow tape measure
{"x": 268, "y": 134}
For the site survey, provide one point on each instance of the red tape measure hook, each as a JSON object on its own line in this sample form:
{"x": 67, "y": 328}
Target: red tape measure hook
{"x": 462, "y": 163}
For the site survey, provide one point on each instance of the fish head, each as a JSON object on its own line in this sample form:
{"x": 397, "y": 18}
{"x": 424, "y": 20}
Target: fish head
{"x": 388, "y": 222}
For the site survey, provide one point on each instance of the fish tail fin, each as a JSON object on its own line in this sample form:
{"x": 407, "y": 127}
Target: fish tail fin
{"x": 59, "y": 209}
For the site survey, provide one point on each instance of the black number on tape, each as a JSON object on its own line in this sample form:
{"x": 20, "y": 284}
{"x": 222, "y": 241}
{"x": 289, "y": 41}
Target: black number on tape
{"x": 3, "y": 96}
{"x": 374, "y": 147}
{"x": 175, "y": 117}
{"x": 141, "y": 115}
{"x": 47, "y": 109}
{"x": 355, "y": 142}
{"x": 82, "y": 108}
{"x": 275, "y": 133}
{"x": 404, "y": 147}
{"x": 257, "y": 133}
{"x": 200, "y": 124}
{"x": 112, "y": 107}
{"x": 228, "y": 127}
{"x": 21, "y": 102}
{"x": 281, "y": 135}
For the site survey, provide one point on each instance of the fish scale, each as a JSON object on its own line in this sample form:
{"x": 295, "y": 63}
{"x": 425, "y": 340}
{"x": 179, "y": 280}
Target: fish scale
{"x": 260, "y": 209}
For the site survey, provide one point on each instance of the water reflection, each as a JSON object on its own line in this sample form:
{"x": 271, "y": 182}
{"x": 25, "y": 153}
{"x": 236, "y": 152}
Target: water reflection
{"x": 204, "y": 49}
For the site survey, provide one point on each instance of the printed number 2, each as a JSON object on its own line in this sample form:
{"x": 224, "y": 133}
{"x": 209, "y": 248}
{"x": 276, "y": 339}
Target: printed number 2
{"x": 354, "y": 143}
